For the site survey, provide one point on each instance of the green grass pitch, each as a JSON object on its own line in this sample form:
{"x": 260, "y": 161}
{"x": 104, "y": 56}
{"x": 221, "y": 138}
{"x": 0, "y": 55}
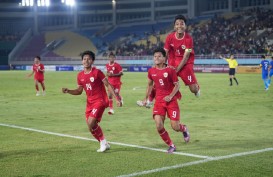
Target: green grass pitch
{"x": 231, "y": 130}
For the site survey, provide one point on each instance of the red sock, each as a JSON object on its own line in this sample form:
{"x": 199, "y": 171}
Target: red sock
{"x": 111, "y": 103}
{"x": 97, "y": 132}
{"x": 182, "y": 127}
{"x": 165, "y": 136}
{"x": 95, "y": 136}
{"x": 37, "y": 88}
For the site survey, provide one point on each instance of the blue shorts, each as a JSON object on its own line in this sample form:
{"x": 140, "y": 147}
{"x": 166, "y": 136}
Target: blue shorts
{"x": 265, "y": 76}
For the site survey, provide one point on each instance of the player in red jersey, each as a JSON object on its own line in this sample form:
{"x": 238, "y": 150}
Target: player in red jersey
{"x": 93, "y": 82}
{"x": 180, "y": 53}
{"x": 114, "y": 73}
{"x": 165, "y": 81}
{"x": 38, "y": 68}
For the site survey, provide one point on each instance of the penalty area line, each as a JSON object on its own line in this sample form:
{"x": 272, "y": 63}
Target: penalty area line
{"x": 90, "y": 139}
{"x": 197, "y": 162}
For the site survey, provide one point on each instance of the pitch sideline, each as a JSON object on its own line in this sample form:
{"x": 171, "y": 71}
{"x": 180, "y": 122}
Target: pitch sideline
{"x": 90, "y": 139}
{"x": 196, "y": 162}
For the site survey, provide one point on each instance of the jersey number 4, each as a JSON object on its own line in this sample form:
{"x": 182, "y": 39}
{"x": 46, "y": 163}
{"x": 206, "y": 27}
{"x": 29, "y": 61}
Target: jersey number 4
{"x": 189, "y": 78}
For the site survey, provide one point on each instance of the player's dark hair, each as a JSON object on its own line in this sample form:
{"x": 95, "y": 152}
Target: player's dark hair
{"x": 263, "y": 56}
{"x": 180, "y": 17}
{"x": 90, "y": 53}
{"x": 38, "y": 57}
{"x": 161, "y": 50}
{"x": 112, "y": 54}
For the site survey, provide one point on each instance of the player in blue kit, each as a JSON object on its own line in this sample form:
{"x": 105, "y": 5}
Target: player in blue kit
{"x": 265, "y": 65}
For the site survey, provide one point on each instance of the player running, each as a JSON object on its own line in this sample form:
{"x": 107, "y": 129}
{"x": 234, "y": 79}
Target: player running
{"x": 265, "y": 66}
{"x": 93, "y": 82}
{"x": 38, "y": 68}
{"x": 166, "y": 84}
{"x": 180, "y": 53}
{"x": 114, "y": 73}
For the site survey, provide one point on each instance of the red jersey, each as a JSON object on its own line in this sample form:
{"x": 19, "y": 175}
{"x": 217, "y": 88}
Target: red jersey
{"x": 93, "y": 86}
{"x": 164, "y": 80}
{"x": 177, "y": 47}
{"x": 114, "y": 68}
{"x": 38, "y": 75}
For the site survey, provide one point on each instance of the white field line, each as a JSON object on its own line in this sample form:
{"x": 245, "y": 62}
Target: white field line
{"x": 90, "y": 139}
{"x": 196, "y": 162}
{"x": 139, "y": 88}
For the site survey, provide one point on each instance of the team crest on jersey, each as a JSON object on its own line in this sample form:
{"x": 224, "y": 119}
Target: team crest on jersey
{"x": 92, "y": 79}
{"x": 113, "y": 68}
{"x": 183, "y": 47}
{"x": 165, "y": 75}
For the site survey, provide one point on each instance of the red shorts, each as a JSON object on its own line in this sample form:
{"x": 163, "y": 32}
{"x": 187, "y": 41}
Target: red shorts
{"x": 39, "y": 79}
{"x": 94, "y": 110}
{"x": 116, "y": 88}
{"x": 171, "y": 108}
{"x": 187, "y": 75}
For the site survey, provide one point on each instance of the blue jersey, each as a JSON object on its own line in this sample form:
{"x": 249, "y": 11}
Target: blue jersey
{"x": 265, "y": 65}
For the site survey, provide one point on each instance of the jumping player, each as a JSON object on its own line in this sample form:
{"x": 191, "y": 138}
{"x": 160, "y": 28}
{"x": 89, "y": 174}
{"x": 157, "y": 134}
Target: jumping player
{"x": 180, "y": 53}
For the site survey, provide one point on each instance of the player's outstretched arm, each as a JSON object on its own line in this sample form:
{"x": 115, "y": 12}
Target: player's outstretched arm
{"x": 220, "y": 56}
{"x": 76, "y": 91}
{"x": 29, "y": 75}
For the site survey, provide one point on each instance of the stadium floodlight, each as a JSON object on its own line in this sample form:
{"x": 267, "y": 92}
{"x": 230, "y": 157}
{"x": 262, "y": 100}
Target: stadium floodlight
{"x": 31, "y": 3}
{"x": 68, "y": 2}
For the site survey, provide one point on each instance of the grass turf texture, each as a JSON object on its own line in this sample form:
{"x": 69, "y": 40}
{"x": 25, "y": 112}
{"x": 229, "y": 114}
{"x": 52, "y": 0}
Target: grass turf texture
{"x": 223, "y": 121}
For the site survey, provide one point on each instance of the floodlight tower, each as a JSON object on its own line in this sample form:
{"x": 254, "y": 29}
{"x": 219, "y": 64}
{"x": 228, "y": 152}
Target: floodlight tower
{"x": 114, "y": 12}
{"x": 73, "y": 6}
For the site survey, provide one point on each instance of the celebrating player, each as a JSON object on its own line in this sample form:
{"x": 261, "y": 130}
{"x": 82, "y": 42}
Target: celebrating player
{"x": 180, "y": 53}
{"x": 114, "y": 73}
{"x": 92, "y": 81}
{"x": 232, "y": 68}
{"x": 39, "y": 69}
{"x": 166, "y": 84}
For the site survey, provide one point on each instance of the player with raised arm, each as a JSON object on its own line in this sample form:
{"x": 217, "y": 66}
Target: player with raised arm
{"x": 93, "y": 82}
{"x": 114, "y": 73}
{"x": 38, "y": 70}
{"x": 232, "y": 64}
{"x": 164, "y": 80}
